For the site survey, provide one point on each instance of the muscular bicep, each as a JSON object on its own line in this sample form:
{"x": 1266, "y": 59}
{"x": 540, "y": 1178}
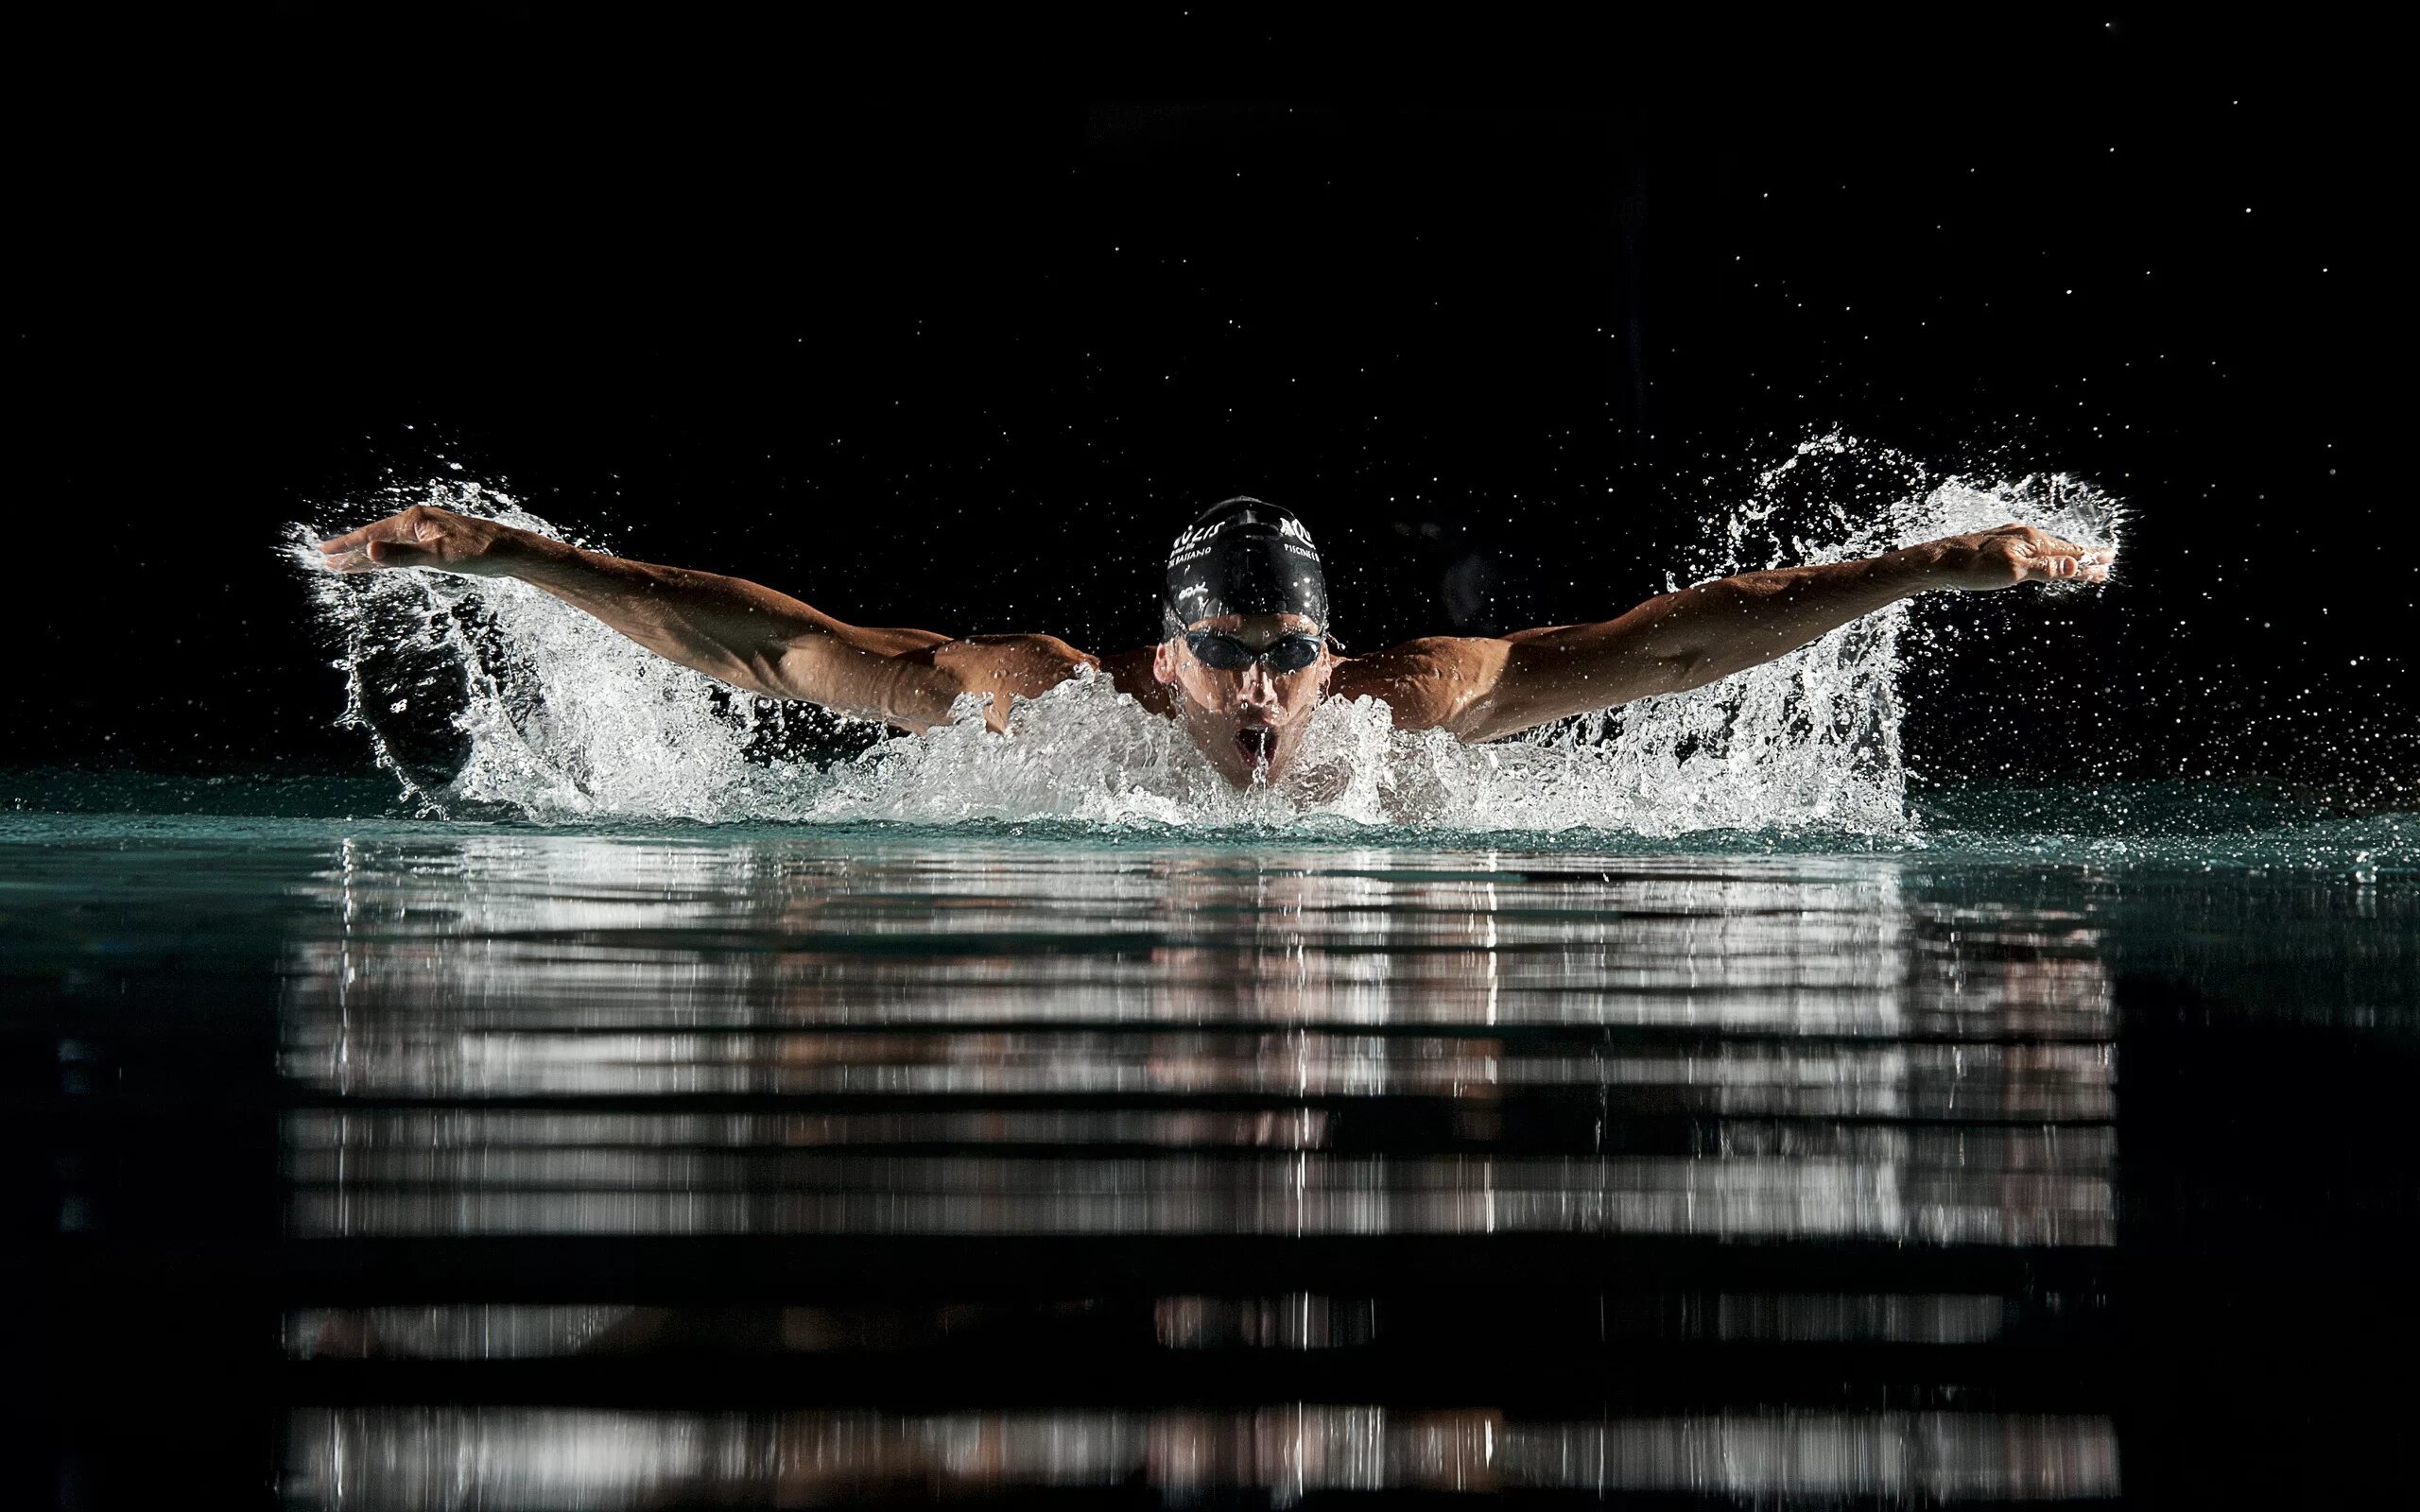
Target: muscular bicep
{"x": 1135, "y": 674}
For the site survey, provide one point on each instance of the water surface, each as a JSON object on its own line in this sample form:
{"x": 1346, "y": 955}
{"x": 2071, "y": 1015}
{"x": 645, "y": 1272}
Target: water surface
{"x": 384, "y": 1162}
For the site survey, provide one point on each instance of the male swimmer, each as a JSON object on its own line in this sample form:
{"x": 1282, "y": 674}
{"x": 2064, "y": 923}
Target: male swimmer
{"x": 1244, "y": 656}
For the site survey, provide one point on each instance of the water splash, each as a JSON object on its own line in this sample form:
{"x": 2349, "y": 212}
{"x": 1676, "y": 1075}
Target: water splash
{"x": 484, "y": 692}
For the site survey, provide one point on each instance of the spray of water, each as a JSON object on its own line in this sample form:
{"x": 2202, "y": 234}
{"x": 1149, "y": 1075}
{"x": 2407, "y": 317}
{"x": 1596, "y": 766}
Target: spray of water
{"x": 547, "y": 712}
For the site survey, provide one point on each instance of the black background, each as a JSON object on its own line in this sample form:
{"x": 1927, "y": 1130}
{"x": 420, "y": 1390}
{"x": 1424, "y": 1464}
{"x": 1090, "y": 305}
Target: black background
{"x": 950, "y": 322}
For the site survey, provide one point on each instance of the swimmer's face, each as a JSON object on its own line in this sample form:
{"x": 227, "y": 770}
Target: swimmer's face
{"x": 1250, "y": 718}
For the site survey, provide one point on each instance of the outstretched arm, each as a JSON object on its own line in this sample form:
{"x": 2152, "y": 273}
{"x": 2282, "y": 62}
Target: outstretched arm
{"x": 728, "y": 628}
{"x": 1485, "y": 689}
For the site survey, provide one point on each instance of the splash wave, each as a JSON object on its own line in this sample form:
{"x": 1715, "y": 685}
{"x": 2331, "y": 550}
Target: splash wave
{"x": 480, "y": 693}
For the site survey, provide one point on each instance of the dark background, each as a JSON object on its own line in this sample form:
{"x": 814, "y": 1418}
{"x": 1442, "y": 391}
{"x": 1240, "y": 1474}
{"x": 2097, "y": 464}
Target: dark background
{"x": 951, "y": 323}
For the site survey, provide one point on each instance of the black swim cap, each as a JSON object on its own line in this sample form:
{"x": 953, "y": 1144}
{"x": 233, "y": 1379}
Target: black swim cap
{"x": 1244, "y": 556}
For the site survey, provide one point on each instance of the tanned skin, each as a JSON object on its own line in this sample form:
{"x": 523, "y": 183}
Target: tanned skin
{"x": 1248, "y": 722}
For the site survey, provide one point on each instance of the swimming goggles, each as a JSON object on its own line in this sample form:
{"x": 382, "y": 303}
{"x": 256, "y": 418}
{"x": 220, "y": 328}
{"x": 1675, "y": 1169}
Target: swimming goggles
{"x": 1224, "y": 653}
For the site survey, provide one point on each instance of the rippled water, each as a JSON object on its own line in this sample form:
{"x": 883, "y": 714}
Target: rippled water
{"x": 397, "y": 1163}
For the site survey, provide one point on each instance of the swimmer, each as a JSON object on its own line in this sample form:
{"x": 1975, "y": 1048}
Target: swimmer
{"x": 1245, "y": 654}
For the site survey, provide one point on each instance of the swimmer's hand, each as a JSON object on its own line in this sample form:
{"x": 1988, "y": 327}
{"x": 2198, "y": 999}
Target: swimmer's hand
{"x": 424, "y": 536}
{"x": 2005, "y": 556}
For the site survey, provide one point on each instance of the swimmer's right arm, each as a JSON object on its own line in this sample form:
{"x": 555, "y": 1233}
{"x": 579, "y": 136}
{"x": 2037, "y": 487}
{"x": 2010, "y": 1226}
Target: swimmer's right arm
{"x": 731, "y": 629}
{"x": 1486, "y": 688}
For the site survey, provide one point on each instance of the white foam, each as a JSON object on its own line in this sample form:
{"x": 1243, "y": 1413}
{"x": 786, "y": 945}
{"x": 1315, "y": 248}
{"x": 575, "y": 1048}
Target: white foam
{"x": 563, "y": 718}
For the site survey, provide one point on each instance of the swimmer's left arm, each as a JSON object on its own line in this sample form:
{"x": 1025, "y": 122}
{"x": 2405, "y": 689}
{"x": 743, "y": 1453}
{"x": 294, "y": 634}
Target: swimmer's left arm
{"x": 1487, "y": 689}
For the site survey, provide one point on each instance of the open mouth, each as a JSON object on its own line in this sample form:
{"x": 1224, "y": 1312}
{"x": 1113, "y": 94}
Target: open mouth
{"x": 1258, "y": 743}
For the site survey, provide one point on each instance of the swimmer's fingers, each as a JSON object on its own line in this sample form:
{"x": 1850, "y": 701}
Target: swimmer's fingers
{"x": 389, "y": 542}
{"x": 405, "y": 527}
{"x": 350, "y": 541}
{"x": 420, "y": 536}
{"x": 2092, "y": 565}
{"x": 373, "y": 554}
{"x": 400, "y": 554}
{"x": 2054, "y": 560}
{"x": 2015, "y": 554}
{"x": 352, "y": 559}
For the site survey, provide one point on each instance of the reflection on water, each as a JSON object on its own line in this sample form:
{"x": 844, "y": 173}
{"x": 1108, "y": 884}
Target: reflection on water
{"x": 415, "y": 1458}
{"x": 1300, "y": 1321}
{"x": 1001, "y": 1045}
{"x": 575, "y": 1038}
{"x": 523, "y": 1170}
{"x": 1942, "y": 1187}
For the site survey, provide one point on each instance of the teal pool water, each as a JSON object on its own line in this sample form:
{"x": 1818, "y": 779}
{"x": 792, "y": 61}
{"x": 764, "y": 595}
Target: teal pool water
{"x": 2051, "y": 1153}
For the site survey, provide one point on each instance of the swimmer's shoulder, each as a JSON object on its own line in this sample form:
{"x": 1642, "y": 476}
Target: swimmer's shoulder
{"x": 1129, "y": 673}
{"x": 1031, "y": 665}
{"x": 1424, "y": 683}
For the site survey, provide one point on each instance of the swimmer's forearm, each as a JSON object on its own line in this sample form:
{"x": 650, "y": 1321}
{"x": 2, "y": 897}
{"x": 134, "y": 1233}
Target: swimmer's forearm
{"x": 1702, "y": 634}
{"x": 1710, "y": 632}
{"x": 723, "y": 626}
{"x": 728, "y": 628}
{"x": 1698, "y": 635}
{"x": 733, "y": 630}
